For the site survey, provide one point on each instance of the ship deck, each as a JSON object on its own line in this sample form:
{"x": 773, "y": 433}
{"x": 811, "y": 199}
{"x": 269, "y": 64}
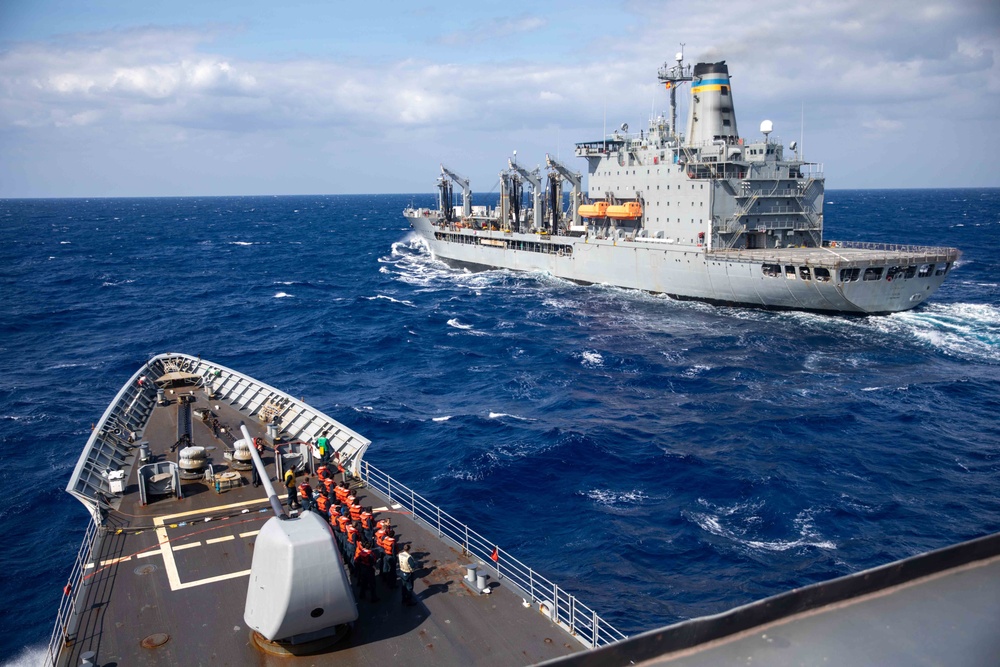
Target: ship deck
{"x": 846, "y": 254}
{"x": 167, "y": 583}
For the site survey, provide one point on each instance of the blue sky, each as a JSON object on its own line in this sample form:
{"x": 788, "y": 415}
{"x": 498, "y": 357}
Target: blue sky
{"x": 124, "y": 98}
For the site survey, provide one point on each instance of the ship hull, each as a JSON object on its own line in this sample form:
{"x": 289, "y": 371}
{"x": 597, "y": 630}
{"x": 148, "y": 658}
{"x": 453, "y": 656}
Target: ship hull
{"x": 690, "y": 273}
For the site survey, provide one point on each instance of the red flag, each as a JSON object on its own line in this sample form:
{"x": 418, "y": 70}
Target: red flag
{"x": 495, "y": 555}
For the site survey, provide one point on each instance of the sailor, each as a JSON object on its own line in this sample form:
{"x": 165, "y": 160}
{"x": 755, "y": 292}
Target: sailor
{"x": 329, "y": 485}
{"x": 356, "y": 510}
{"x": 368, "y": 523}
{"x": 306, "y": 494}
{"x": 323, "y": 472}
{"x": 389, "y": 558}
{"x": 293, "y": 500}
{"x": 255, "y": 476}
{"x": 258, "y": 444}
{"x": 407, "y": 569}
{"x": 323, "y": 445}
{"x": 323, "y": 503}
{"x": 342, "y": 492}
{"x": 364, "y": 566}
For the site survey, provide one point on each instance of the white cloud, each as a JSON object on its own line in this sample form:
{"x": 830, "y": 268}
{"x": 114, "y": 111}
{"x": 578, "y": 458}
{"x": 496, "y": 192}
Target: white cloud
{"x": 890, "y": 69}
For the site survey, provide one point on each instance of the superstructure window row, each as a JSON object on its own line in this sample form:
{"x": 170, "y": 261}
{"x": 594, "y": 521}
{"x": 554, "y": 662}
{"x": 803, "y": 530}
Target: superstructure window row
{"x": 528, "y": 246}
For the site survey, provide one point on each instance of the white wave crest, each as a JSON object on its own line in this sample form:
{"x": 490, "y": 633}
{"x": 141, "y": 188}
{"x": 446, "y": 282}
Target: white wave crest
{"x": 607, "y": 497}
{"x": 389, "y": 298}
{"x": 282, "y": 295}
{"x": 718, "y": 524}
{"x": 244, "y": 243}
{"x": 458, "y": 325}
{"x": 499, "y": 415}
{"x": 30, "y": 656}
{"x": 592, "y": 358}
{"x": 970, "y": 330}
{"x": 441, "y": 419}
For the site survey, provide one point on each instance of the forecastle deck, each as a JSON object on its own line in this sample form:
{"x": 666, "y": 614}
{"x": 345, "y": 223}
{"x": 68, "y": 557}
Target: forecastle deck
{"x": 165, "y": 583}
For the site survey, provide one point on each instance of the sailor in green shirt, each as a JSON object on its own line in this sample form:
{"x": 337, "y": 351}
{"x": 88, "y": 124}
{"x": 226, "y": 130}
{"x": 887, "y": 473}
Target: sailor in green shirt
{"x": 323, "y": 445}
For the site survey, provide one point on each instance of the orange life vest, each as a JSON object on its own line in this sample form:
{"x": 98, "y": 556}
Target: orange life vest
{"x": 341, "y": 494}
{"x": 343, "y": 522}
{"x": 366, "y": 519}
{"x": 323, "y": 472}
{"x": 352, "y": 533}
{"x": 305, "y": 491}
{"x": 355, "y": 512}
{"x": 389, "y": 545}
{"x": 323, "y": 503}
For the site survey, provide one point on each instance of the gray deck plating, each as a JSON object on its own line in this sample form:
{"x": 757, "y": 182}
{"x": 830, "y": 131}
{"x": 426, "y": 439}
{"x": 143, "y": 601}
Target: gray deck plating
{"x": 160, "y": 592}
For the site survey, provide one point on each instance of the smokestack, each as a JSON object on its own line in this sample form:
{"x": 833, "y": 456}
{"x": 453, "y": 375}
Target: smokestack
{"x": 712, "y": 115}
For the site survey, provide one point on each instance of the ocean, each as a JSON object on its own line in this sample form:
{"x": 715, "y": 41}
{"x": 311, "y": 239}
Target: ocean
{"x": 660, "y": 459}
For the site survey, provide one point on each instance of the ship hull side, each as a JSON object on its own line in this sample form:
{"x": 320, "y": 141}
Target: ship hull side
{"x": 684, "y": 273}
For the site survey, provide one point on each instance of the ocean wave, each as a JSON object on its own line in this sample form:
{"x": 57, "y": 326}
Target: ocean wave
{"x": 969, "y": 330}
{"x": 608, "y": 498}
{"x": 746, "y": 519}
{"x": 441, "y": 419}
{"x": 458, "y": 325}
{"x": 502, "y": 415}
{"x": 591, "y": 358}
{"x": 30, "y": 656}
{"x": 390, "y": 299}
{"x": 282, "y": 295}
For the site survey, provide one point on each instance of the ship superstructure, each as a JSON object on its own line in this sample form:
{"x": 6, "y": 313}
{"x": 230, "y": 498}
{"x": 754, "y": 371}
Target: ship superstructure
{"x": 706, "y": 214}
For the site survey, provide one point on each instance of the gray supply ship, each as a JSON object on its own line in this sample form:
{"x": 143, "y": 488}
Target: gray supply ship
{"x": 184, "y": 562}
{"x": 706, "y": 215}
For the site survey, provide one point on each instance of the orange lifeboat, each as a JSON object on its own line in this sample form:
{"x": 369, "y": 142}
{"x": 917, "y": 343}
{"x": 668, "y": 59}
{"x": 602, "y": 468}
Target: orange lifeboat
{"x": 628, "y": 211}
{"x": 595, "y": 210}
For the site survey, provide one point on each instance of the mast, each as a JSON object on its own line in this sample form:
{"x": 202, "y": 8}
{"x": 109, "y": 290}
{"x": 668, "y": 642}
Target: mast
{"x": 672, "y": 76}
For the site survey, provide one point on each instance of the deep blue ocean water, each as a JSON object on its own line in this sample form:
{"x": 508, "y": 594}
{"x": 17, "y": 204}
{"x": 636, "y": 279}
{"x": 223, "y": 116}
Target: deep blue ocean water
{"x": 660, "y": 459}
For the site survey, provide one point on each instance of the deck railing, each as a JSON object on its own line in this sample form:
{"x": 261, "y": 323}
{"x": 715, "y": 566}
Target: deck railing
{"x": 62, "y": 633}
{"x": 562, "y": 607}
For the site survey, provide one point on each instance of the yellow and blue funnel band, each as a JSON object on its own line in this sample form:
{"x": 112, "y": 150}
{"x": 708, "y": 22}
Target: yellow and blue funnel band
{"x": 706, "y": 85}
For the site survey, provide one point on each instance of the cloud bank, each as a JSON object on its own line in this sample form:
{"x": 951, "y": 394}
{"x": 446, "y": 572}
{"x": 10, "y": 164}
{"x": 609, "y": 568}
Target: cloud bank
{"x": 876, "y": 82}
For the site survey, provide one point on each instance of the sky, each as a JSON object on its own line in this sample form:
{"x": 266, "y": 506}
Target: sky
{"x": 196, "y": 98}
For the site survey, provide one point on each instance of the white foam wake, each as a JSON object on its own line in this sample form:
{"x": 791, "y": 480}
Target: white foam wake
{"x": 970, "y": 330}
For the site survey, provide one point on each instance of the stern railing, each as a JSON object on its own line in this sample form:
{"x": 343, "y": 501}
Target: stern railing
{"x": 559, "y": 605}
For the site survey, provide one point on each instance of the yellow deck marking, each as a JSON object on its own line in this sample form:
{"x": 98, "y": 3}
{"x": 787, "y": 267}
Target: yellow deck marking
{"x": 147, "y": 554}
{"x": 182, "y": 547}
{"x": 249, "y": 533}
{"x": 216, "y": 540}
{"x": 170, "y": 565}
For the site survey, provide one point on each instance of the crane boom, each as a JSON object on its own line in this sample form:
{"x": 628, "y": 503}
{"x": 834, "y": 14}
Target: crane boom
{"x": 463, "y": 183}
{"x": 535, "y": 179}
{"x": 573, "y": 177}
